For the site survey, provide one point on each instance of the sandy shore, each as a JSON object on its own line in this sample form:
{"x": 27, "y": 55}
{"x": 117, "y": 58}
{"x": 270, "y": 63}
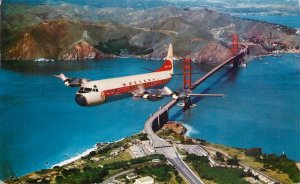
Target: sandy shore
{"x": 73, "y": 159}
{"x": 77, "y": 157}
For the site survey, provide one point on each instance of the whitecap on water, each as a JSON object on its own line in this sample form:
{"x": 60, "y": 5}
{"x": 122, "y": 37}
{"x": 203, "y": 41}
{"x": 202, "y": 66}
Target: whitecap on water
{"x": 190, "y": 130}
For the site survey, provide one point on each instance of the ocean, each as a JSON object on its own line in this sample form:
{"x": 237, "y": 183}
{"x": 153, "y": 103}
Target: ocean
{"x": 287, "y": 20}
{"x": 41, "y": 124}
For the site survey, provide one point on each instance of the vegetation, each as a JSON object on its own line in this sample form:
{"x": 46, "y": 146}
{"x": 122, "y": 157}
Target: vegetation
{"x": 217, "y": 174}
{"x": 142, "y": 137}
{"x": 106, "y": 149}
{"x": 219, "y": 157}
{"x": 126, "y": 164}
{"x": 252, "y": 162}
{"x": 89, "y": 175}
{"x": 118, "y": 46}
{"x": 254, "y": 152}
{"x": 233, "y": 161}
{"x": 271, "y": 161}
{"x": 160, "y": 171}
{"x": 97, "y": 174}
{"x": 283, "y": 164}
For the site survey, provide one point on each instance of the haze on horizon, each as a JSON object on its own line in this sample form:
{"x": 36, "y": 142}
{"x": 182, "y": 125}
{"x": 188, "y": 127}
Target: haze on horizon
{"x": 290, "y": 7}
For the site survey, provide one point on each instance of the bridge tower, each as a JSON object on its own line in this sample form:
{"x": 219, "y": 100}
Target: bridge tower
{"x": 187, "y": 82}
{"x": 187, "y": 74}
{"x": 235, "y": 48}
{"x": 235, "y": 44}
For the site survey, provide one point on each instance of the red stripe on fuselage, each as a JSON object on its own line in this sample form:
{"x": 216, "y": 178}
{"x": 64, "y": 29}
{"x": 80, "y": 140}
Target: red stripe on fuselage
{"x": 126, "y": 89}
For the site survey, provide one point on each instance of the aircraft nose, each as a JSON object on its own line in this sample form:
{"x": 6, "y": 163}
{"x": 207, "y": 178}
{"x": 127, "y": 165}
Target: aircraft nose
{"x": 80, "y": 100}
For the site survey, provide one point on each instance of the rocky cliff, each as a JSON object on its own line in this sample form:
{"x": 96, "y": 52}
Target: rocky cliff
{"x": 82, "y": 51}
{"x": 57, "y": 39}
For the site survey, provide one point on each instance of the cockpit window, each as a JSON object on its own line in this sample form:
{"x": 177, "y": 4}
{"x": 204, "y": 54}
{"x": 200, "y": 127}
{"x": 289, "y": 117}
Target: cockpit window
{"x": 87, "y": 90}
{"x": 84, "y": 90}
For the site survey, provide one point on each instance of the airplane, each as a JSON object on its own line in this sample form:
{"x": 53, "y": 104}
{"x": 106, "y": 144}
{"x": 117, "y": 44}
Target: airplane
{"x": 97, "y": 92}
{"x": 149, "y": 86}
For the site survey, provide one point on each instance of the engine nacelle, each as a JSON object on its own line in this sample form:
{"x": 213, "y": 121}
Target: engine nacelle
{"x": 90, "y": 99}
{"x": 153, "y": 95}
{"x": 175, "y": 95}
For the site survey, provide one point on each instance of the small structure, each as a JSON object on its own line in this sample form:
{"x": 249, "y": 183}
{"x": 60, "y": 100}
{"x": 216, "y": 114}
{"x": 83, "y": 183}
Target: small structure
{"x": 137, "y": 151}
{"x": 117, "y": 151}
{"x": 95, "y": 159}
{"x": 144, "y": 180}
{"x": 131, "y": 176}
{"x": 156, "y": 160}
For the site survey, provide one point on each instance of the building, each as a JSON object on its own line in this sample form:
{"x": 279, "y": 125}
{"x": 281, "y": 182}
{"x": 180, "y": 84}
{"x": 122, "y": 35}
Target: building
{"x": 131, "y": 176}
{"x": 144, "y": 180}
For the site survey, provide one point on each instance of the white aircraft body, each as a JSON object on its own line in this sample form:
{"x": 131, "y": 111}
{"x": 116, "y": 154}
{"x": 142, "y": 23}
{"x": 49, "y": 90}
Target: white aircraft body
{"x": 141, "y": 86}
{"x": 98, "y": 91}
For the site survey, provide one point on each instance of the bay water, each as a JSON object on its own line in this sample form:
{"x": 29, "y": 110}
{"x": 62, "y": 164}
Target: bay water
{"x": 41, "y": 125}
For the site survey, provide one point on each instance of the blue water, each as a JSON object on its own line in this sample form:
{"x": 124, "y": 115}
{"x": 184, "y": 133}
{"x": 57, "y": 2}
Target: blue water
{"x": 287, "y": 20}
{"x": 40, "y": 121}
{"x": 261, "y": 107}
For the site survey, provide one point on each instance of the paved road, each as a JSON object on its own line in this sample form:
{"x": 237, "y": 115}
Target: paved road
{"x": 173, "y": 157}
{"x": 157, "y": 142}
{"x": 111, "y": 179}
{"x": 194, "y": 149}
{"x": 163, "y": 147}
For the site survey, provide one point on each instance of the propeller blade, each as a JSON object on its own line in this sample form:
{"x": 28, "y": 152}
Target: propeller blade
{"x": 61, "y": 77}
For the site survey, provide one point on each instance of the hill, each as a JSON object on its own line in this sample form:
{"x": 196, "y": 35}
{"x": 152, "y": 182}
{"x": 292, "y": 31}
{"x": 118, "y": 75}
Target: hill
{"x": 72, "y": 32}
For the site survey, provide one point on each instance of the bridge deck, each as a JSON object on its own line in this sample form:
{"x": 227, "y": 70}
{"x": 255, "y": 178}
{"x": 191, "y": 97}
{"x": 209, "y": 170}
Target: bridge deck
{"x": 166, "y": 148}
{"x": 207, "y": 75}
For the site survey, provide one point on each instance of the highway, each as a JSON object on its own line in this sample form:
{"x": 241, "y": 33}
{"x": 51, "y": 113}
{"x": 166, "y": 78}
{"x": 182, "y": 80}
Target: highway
{"x": 163, "y": 147}
{"x": 172, "y": 156}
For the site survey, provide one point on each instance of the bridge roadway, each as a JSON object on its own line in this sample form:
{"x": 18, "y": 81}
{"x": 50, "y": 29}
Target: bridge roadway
{"x": 163, "y": 147}
{"x": 217, "y": 68}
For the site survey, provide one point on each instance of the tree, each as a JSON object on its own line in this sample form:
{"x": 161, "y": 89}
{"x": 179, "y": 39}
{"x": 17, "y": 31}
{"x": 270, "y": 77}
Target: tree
{"x": 233, "y": 161}
{"x": 219, "y": 157}
{"x": 254, "y": 152}
{"x": 59, "y": 179}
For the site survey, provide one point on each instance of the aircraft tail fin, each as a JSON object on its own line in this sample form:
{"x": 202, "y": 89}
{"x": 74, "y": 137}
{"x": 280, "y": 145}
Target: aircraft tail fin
{"x": 168, "y": 63}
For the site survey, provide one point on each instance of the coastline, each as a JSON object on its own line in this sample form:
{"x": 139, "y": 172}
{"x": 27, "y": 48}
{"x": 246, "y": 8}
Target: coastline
{"x": 83, "y": 154}
{"x": 74, "y": 158}
{"x": 190, "y": 130}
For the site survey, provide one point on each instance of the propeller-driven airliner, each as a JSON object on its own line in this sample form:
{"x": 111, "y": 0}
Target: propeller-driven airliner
{"x": 149, "y": 86}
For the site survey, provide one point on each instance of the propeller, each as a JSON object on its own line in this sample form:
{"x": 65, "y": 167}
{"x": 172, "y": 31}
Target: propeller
{"x": 71, "y": 82}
